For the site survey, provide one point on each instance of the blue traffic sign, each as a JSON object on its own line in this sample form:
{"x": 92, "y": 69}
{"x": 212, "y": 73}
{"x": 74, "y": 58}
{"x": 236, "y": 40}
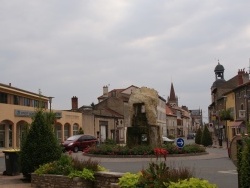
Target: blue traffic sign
{"x": 180, "y": 142}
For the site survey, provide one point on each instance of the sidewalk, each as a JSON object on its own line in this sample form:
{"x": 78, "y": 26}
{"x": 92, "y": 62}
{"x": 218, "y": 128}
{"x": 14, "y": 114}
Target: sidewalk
{"x": 12, "y": 181}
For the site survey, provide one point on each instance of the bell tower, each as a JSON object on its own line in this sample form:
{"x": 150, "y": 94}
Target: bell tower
{"x": 219, "y": 71}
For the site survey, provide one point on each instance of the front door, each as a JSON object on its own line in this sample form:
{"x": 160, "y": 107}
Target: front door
{"x": 103, "y": 135}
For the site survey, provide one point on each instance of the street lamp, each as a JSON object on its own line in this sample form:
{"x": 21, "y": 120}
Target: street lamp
{"x": 50, "y": 101}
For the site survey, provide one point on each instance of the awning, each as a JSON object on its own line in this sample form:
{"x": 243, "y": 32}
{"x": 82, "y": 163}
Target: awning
{"x": 237, "y": 124}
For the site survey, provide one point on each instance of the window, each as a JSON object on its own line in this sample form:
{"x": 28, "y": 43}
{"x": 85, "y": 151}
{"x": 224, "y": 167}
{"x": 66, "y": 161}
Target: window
{"x": 26, "y": 102}
{"x": 3, "y": 97}
{"x": 75, "y": 129}
{"x": 35, "y": 103}
{"x": 16, "y": 100}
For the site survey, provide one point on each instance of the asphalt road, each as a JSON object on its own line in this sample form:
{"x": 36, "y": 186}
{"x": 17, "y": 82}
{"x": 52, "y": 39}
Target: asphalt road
{"x": 215, "y": 166}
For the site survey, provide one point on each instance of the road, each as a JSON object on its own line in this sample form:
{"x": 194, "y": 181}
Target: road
{"x": 215, "y": 166}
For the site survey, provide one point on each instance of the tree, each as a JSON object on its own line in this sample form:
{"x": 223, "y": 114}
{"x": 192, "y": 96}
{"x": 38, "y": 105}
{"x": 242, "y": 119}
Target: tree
{"x": 80, "y": 131}
{"x": 226, "y": 115}
{"x": 206, "y": 138}
{"x": 198, "y": 136}
{"x": 244, "y": 164}
{"x": 40, "y": 145}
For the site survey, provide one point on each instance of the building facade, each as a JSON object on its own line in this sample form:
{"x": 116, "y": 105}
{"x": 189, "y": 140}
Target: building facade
{"x": 229, "y": 97}
{"x": 17, "y": 107}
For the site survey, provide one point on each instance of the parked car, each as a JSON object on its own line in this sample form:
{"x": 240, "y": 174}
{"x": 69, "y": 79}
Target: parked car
{"x": 167, "y": 140}
{"x": 191, "y": 135}
{"x": 79, "y": 142}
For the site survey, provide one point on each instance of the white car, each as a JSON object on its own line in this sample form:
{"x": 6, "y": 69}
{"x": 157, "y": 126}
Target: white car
{"x": 166, "y": 139}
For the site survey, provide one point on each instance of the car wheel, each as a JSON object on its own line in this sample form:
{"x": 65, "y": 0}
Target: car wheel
{"x": 76, "y": 149}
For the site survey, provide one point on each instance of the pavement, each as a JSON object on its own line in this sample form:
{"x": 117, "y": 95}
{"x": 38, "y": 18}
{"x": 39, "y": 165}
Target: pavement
{"x": 17, "y": 181}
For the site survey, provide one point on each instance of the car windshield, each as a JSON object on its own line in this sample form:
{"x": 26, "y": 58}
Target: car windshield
{"x": 73, "y": 137}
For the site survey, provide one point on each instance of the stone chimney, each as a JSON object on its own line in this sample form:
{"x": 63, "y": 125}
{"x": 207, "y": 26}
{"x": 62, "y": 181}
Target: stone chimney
{"x": 74, "y": 101}
{"x": 105, "y": 91}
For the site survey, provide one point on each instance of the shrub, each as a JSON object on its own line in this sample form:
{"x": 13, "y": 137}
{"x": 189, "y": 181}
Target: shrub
{"x": 86, "y": 174}
{"x": 105, "y": 149}
{"x": 157, "y": 174}
{"x": 71, "y": 167}
{"x": 61, "y": 167}
{"x": 198, "y": 136}
{"x": 206, "y": 139}
{"x": 190, "y": 183}
{"x": 40, "y": 145}
{"x": 129, "y": 180}
{"x": 154, "y": 175}
{"x": 244, "y": 164}
{"x": 81, "y": 164}
{"x": 193, "y": 148}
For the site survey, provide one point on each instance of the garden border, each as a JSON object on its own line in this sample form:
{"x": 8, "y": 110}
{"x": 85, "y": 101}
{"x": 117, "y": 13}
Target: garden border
{"x": 145, "y": 156}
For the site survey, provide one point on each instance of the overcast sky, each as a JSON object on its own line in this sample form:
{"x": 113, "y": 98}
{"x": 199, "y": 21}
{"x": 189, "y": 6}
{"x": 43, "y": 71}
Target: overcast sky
{"x": 70, "y": 48}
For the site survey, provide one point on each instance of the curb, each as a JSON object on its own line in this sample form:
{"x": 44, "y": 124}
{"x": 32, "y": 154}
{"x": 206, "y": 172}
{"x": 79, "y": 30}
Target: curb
{"x": 144, "y": 156}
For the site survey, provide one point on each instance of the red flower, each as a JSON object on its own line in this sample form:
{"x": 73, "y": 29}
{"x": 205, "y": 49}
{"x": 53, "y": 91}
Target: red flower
{"x": 160, "y": 152}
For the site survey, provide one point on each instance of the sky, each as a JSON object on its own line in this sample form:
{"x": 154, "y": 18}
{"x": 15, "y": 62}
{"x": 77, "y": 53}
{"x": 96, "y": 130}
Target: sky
{"x": 74, "y": 48}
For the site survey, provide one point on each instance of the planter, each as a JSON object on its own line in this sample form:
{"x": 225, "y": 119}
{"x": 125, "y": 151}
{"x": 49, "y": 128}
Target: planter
{"x": 60, "y": 181}
{"x": 102, "y": 180}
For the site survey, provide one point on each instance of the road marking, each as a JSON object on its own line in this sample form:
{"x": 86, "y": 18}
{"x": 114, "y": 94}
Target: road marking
{"x": 229, "y": 172}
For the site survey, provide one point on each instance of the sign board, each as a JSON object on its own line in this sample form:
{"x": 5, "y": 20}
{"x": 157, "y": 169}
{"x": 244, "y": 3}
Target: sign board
{"x": 180, "y": 142}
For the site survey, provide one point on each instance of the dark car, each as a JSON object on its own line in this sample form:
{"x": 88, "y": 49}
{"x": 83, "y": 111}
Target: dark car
{"x": 79, "y": 142}
{"x": 191, "y": 136}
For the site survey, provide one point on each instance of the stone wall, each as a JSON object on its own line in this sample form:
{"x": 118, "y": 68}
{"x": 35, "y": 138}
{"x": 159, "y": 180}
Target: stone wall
{"x": 102, "y": 180}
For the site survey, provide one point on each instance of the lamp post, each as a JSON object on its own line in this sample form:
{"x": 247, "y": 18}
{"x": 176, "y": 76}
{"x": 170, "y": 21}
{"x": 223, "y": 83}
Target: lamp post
{"x": 50, "y": 101}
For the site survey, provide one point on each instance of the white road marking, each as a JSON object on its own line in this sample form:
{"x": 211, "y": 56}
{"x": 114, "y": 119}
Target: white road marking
{"x": 229, "y": 172}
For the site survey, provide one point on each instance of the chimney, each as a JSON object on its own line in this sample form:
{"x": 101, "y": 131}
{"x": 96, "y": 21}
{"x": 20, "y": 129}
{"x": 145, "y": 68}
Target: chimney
{"x": 10, "y": 84}
{"x": 105, "y": 91}
{"x": 74, "y": 101}
{"x": 240, "y": 76}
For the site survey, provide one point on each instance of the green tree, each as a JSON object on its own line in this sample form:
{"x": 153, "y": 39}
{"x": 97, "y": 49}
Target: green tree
{"x": 244, "y": 165}
{"x": 206, "y": 139}
{"x": 80, "y": 131}
{"x": 226, "y": 115}
{"x": 40, "y": 145}
{"x": 198, "y": 136}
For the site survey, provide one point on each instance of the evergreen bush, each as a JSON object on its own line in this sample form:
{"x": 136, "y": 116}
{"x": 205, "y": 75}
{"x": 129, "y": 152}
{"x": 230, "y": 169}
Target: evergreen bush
{"x": 198, "y": 136}
{"x": 206, "y": 139}
{"x": 40, "y": 145}
{"x": 244, "y": 164}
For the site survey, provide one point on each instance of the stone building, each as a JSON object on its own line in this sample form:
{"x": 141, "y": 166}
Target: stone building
{"x": 229, "y": 95}
{"x": 178, "y": 119}
{"x": 110, "y": 117}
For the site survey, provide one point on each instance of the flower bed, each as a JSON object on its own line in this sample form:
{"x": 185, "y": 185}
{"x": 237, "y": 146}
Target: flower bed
{"x": 142, "y": 150}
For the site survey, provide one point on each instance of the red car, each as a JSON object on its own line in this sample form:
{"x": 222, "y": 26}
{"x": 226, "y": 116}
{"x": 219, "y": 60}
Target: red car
{"x": 79, "y": 142}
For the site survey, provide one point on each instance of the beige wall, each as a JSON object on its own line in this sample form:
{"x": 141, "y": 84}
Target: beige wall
{"x": 230, "y": 103}
{"x": 11, "y": 123}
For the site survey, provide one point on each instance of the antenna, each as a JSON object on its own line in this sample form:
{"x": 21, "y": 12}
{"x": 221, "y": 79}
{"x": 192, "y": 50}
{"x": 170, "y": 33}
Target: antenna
{"x": 249, "y": 67}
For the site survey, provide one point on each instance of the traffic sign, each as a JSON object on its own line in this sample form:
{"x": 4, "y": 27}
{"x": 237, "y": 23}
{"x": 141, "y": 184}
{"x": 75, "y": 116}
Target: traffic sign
{"x": 180, "y": 142}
